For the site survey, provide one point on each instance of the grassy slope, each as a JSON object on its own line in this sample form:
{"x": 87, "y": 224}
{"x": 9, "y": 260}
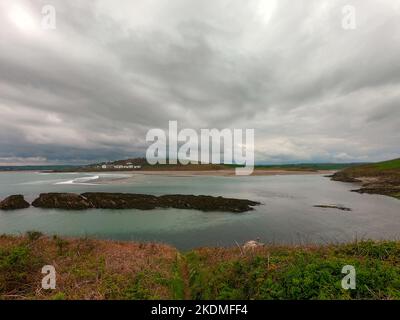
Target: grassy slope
{"x": 87, "y": 269}
{"x": 388, "y": 165}
{"x": 93, "y": 269}
{"x": 385, "y": 168}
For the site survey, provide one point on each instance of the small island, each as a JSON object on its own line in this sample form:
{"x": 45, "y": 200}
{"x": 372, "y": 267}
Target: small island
{"x": 105, "y": 200}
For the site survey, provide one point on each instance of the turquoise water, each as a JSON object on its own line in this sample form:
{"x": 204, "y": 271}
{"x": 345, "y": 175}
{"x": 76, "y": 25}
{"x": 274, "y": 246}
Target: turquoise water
{"x": 286, "y": 215}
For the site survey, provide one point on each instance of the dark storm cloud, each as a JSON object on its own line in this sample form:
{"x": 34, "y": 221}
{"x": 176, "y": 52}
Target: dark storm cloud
{"x": 111, "y": 70}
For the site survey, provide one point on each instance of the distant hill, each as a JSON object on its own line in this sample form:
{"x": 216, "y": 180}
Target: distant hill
{"x": 376, "y": 178}
{"x": 39, "y": 168}
{"x": 307, "y": 166}
{"x": 141, "y": 164}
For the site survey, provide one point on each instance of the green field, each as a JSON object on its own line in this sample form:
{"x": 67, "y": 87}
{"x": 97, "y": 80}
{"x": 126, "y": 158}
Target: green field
{"x": 388, "y": 165}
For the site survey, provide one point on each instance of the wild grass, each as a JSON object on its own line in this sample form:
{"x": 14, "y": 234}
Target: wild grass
{"x": 98, "y": 269}
{"x": 86, "y": 269}
{"x": 296, "y": 272}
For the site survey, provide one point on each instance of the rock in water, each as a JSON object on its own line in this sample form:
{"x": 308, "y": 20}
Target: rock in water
{"x": 68, "y": 201}
{"x": 104, "y": 200}
{"x": 178, "y": 201}
{"x": 205, "y": 203}
{"x": 332, "y": 206}
{"x": 14, "y": 202}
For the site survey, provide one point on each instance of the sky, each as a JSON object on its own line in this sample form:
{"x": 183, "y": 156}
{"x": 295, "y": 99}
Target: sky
{"x": 89, "y": 89}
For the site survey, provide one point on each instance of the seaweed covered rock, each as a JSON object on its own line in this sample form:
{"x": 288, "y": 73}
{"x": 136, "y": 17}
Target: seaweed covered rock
{"x": 67, "y": 201}
{"x": 14, "y": 202}
{"x": 104, "y": 200}
{"x": 206, "y": 203}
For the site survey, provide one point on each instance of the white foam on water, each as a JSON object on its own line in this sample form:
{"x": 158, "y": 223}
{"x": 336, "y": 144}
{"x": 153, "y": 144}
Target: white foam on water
{"x": 58, "y": 173}
{"x": 115, "y": 175}
{"x": 38, "y": 182}
{"x": 80, "y": 181}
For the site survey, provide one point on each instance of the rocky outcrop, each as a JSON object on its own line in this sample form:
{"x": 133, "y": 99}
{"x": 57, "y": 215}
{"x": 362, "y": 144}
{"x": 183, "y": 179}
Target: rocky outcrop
{"x": 384, "y": 189}
{"x": 67, "y": 201}
{"x": 388, "y": 185}
{"x": 14, "y": 202}
{"x": 374, "y": 178}
{"x": 332, "y": 206}
{"x": 343, "y": 177}
{"x": 206, "y": 203}
{"x": 102, "y": 200}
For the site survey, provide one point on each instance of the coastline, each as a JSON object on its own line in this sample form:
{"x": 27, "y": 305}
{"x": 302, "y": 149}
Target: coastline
{"x": 131, "y": 175}
{"x": 183, "y": 172}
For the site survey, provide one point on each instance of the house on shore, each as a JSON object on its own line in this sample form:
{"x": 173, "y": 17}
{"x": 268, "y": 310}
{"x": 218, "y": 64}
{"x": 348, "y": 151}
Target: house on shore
{"x": 120, "y": 166}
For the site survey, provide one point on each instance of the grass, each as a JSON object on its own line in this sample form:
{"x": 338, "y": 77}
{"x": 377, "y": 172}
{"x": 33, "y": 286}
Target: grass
{"x": 385, "y": 168}
{"x": 86, "y": 269}
{"x": 388, "y": 165}
{"x": 95, "y": 269}
{"x": 296, "y": 272}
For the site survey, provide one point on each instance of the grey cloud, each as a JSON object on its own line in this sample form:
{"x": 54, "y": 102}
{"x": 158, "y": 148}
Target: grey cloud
{"x": 91, "y": 89}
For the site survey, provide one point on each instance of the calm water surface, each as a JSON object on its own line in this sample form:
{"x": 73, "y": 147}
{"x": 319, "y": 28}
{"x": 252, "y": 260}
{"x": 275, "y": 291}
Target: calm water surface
{"x": 286, "y": 215}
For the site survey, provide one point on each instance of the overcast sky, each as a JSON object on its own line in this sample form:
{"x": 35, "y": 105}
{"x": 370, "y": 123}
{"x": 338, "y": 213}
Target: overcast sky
{"x": 90, "y": 89}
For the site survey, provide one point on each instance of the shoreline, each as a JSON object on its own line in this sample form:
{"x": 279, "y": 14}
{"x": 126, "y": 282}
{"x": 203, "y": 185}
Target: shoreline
{"x": 224, "y": 172}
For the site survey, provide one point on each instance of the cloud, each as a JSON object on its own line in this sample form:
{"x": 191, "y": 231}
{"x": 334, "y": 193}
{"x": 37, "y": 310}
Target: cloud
{"x": 89, "y": 90}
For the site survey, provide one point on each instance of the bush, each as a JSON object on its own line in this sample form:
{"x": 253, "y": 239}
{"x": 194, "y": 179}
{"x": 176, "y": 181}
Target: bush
{"x": 14, "y": 268}
{"x": 33, "y": 235}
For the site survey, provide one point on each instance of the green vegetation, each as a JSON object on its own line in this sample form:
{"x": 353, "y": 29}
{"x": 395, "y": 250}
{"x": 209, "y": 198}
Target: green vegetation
{"x": 388, "y": 165}
{"x": 92, "y": 269}
{"x": 296, "y": 273}
{"x": 306, "y": 166}
{"x": 385, "y": 168}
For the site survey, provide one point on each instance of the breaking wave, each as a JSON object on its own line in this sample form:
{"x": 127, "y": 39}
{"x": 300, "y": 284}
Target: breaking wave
{"x": 81, "y": 180}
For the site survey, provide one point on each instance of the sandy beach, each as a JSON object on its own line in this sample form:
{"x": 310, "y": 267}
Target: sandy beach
{"x": 231, "y": 172}
{"x": 129, "y": 176}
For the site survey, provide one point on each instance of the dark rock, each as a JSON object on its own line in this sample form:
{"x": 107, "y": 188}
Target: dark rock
{"x": 68, "y": 201}
{"x": 332, "y": 207}
{"x": 343, "y": 177}
{"x": 206, "y": 203}
{"x": 379, "y": 189}
{"x": 14, "y": 202}
{"x": 103, "y": 200}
